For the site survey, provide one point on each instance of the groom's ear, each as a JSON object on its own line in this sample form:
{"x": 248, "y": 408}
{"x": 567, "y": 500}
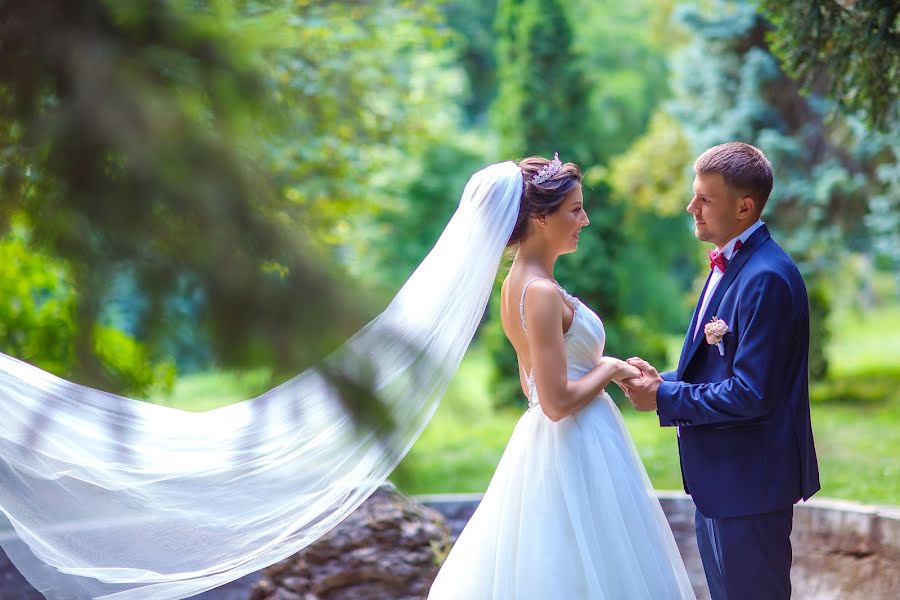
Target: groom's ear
{"x": 746, "y": 207}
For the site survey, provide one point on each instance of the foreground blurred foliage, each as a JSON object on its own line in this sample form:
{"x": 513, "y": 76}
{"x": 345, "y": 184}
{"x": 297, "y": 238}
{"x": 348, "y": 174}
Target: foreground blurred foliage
{"x": 202, "y": 152}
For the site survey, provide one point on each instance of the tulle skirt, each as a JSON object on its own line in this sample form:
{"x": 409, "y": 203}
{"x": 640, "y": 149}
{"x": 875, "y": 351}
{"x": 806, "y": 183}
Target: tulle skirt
{"x": 569, "y": 513}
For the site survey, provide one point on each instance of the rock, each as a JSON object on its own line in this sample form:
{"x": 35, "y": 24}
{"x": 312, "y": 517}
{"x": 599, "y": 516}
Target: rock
{"x": 387, "y": 549}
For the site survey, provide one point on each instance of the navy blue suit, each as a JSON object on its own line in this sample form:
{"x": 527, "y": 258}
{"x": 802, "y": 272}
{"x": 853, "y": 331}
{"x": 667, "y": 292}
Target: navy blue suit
{"x": 746, "y": 443}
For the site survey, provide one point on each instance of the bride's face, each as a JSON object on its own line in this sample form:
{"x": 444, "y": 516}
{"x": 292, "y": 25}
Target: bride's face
{"x": 561, "y": 229}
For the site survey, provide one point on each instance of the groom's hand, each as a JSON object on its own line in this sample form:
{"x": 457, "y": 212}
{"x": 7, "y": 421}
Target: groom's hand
{"x": 641, "y": 391}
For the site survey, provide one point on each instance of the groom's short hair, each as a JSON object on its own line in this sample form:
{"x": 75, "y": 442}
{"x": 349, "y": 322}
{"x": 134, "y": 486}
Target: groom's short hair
{"x": 744, "y": 168}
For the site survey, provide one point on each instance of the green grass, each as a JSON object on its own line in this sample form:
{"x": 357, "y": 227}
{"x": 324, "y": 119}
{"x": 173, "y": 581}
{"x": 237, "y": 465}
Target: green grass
{"x": 865, "y": 341}
{"x": 856, "y": 419}
{"x": 859, "y": 449}
{"x": 204, "y": 391}
{"x": 462, "y": 444}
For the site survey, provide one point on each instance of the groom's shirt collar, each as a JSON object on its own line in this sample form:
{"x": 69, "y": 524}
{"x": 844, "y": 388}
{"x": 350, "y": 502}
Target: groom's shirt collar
{"x": 728, "y": 249}
{"x": 715, "y": 275}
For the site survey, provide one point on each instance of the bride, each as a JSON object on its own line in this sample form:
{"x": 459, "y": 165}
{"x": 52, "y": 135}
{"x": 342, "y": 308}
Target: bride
{"x": 569, "y": 512}
{"x": 109, "y": 497}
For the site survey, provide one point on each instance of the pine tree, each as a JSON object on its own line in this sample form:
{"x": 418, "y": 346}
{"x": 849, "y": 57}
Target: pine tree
{"x": 542, "y": 94}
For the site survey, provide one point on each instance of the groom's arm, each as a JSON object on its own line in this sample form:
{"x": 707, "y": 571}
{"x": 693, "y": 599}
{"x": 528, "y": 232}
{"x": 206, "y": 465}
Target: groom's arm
{"x": 666, "y": 376}
{"x": 765, "y": 336}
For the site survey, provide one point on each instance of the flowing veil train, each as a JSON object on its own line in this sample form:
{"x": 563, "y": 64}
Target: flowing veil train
{"x": 121, "y": 499}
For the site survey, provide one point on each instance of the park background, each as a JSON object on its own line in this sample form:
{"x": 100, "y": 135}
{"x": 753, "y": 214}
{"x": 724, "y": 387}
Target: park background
{"x": 201, "y": 200}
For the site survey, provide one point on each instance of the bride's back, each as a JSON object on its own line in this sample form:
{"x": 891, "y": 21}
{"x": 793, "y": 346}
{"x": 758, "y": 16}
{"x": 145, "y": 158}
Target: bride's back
{"x": 511, "y": 296}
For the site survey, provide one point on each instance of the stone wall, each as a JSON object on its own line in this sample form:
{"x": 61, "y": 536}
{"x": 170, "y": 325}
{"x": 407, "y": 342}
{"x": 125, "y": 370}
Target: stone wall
{"x": 842, "y": 550}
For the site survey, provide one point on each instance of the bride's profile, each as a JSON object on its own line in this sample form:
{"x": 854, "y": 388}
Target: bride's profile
{"x": 569, "y": 512}
{"x": 176, "y": 503}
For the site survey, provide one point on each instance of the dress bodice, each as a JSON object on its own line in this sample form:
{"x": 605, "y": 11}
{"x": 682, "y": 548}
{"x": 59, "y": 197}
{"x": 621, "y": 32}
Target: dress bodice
{"x": 584, "y": 340}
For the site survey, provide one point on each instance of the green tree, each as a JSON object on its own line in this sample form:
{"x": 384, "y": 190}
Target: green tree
{"x": 847, "y": 50}
{"x": 472, "y": 24}
{"x": 622, "y": 46}
{"x": 883, "y": 220}
{"x": 37, "y": 306}
{"x": 542, "y": 90}
{"x": 654, "y": 179}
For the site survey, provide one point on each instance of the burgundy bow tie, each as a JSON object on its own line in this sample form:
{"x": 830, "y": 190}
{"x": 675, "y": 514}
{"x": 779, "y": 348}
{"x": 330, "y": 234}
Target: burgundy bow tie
{"x": 717, "y": 259}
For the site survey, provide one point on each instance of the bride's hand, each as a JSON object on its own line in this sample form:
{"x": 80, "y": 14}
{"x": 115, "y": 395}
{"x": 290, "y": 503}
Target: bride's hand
{"x": 622, "y": 370}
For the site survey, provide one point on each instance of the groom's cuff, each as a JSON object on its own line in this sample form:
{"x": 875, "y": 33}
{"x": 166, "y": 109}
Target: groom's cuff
{"x": 664, "y": 403}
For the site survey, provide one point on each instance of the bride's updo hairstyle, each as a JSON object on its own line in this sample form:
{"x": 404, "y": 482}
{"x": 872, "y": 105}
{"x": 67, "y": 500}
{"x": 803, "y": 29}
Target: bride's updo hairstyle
{"x": 545, "y": 185}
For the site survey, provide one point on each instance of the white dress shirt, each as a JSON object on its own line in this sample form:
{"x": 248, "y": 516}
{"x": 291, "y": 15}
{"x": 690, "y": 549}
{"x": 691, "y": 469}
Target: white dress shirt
{"x": 716, "y": 276}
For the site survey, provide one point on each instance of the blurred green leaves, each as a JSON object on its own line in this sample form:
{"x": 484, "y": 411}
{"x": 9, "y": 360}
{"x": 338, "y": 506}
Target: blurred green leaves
{"x": 36, "y": 306}
{"x": 654, "y": 173}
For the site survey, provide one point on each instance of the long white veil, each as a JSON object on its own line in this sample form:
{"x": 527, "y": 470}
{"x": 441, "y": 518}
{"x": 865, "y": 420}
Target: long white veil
{"x": 116, "y": 498}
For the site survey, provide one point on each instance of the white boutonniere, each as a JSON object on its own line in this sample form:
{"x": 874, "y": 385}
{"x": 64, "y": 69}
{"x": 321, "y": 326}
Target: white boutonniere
{"x": 715, "y": 330}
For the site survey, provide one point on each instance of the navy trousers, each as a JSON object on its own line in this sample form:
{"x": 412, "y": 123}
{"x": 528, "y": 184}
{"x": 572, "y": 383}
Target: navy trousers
{"x": 747, "y": 558}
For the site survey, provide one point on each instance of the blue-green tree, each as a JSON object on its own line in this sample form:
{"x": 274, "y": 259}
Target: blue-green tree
{"x": 825, "y": 172}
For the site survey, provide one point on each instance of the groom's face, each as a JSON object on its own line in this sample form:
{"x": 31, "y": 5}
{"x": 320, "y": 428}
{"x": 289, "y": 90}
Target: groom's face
{"x": 716, "y": 209}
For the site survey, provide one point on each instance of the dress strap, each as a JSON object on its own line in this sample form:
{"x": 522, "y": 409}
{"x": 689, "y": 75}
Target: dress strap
{"x": 522, "y": 299}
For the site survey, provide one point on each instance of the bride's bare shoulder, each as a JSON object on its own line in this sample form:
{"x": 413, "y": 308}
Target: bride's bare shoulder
{"x": 541, "y": 297}
{"x": 516, "y": 287}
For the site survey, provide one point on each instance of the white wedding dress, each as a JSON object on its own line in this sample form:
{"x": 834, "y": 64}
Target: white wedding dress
{"x": 569, "y": 513}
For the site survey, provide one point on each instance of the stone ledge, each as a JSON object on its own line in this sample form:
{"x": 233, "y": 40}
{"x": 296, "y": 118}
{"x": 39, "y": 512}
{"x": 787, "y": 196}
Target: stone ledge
{"x": 842, "y": 550}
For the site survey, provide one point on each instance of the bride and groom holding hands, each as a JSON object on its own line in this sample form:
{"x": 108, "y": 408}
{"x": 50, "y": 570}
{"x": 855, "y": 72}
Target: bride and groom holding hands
{"x": 569, "y": 512}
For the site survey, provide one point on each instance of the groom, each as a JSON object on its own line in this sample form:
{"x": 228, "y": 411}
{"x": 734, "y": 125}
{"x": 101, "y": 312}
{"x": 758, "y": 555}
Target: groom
{"x": 740, "y": 396}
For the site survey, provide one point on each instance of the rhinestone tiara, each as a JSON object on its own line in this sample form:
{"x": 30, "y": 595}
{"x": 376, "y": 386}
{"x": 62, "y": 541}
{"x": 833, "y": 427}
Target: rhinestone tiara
{"x": 548, "y": 171}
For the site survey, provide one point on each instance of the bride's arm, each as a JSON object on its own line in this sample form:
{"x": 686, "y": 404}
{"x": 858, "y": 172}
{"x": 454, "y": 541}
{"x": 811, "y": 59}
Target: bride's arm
{"x": 559, "y": 396}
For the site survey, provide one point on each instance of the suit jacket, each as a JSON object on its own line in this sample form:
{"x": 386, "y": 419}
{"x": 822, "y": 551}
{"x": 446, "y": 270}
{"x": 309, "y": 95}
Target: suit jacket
{"x": 746, "y": 442}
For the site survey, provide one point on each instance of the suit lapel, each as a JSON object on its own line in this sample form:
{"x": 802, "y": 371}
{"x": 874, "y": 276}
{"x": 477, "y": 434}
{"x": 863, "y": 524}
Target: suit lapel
{"x": 731, "y": 273}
